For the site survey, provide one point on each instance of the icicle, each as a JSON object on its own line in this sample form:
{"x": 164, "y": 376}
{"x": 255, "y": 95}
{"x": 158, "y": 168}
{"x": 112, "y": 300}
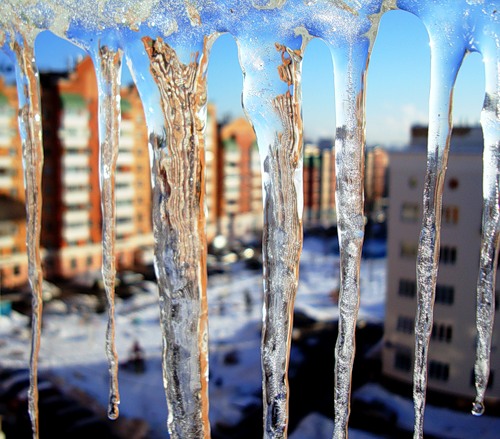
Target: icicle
{"x": 279, "y": 136}
{"x": 179, "y": 228}
{"x": 445, "y": 62}
{"x": 349, "y": 65}
{"x": 108, "y": 69}
{"x": 30, "y": 127}
{"x": 350, "y": 49}
{"x": 490, "y": 236}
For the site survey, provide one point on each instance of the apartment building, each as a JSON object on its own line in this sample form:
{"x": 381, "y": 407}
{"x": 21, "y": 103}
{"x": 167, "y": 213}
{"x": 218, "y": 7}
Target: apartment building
{"x": 13, "y": 257}
{"x": 452, "y": 348}
{"x": 240, "y": 181}
{"x": 376, "y": 163}
{"x": 211, "y": 170}
{"x": 71, "y": 218}
{"x": 319, "y": 185}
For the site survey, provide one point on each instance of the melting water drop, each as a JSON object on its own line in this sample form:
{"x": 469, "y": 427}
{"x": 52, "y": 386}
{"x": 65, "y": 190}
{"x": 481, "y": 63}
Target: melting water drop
{"x": 108, "y": 69}
{"x": 477, "y": 408}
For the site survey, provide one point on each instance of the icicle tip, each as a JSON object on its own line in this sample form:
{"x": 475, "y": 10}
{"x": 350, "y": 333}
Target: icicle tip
{"x": 477, "y": 408}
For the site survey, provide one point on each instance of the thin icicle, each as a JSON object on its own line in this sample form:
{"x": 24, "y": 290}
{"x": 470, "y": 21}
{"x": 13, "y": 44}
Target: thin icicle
{"x": 350, "y": 48}
{"x": 280, "y": 145}
{"x": 349, "y": 65}
{"x": 490, "y": 233}
{"x": 30, "y": 127}
{"x": 445, "y": 62}
{"x": 108, "y": 69}
{"x": 180, "y": 241}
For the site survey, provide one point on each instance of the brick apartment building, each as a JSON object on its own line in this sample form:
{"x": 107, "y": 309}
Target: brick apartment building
{"x": 71, "y": 215}
{"x": 13, "y": 257}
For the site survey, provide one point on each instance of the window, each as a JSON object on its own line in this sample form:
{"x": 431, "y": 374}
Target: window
{"x": 448, "y": 255}
{"x": 442, "y": 332}
{"x": 450, "y": 215}
{"x": 73, "y": 263}
{"x": 410, "y": 212}
{"x": 405, "y": 324}
{"x": 445, "y": 294}
{"x": 407, "y": 288}
{"x": 439, "y": 371}
{"x": 453, "y": 183}
{"x": 402, "y": 361}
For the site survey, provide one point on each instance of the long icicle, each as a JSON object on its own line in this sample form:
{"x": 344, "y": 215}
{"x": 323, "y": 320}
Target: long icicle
{"x": 180, "y": 241}
{"x": 108, "y": 69}
{"x": 30, "y": 127}
{"x": 490, "y": 232}
{"x": 445, "y": 63}
{"x": 280, "y": 145}
{"x": 350, "y": 66}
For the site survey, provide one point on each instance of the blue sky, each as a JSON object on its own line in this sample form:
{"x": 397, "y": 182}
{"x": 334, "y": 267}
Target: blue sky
{"x": 397, "y": 85}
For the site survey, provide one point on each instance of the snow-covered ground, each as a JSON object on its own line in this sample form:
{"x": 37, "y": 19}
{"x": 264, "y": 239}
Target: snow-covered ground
{"x": 73, "y": 345}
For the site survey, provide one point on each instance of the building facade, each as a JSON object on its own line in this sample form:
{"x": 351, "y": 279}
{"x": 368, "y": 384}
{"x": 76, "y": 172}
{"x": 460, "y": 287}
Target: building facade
{"x": 319, "y": 185}
{"x": 211, "y": 171}
{"x": 452, "y": 348}
{"x": 13, "y": 257}
{"x": 240, "y": 181}
{"x": 71, "y": 216}
{"x": 72, "y": 219}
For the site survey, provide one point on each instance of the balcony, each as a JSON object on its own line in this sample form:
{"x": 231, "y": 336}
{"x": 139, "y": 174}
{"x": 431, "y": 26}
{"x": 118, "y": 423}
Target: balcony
{"x": 76, "y": 178}
{"x": 76, "y": 197}
{"x": 126, "y": 193}
{"x": 6, "y": 182}
{"x": 5, "y": 140}
{"x": 6, "y": 162}
{"x": 125, "y": 211}
{"x": 72, "y": 234}
{"x": 76, "y": 217}
{"x": 7, "y": 241}
{"x": 124, "y": 178}
{"x": 125, "y": 228}
{"x": 125, "y": 159}
{"x": 127, "y": 141}
{"x": 79, "y": 121}
{"x": 75, "y": 159}
{"x": 71, "y": 141}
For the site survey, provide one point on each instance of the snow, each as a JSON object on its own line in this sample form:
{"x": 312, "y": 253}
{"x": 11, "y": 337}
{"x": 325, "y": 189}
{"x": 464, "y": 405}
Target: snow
{"x": 319, "y": 426}
{"x": 73, "y": 340}
{"x": 439, "y": 422}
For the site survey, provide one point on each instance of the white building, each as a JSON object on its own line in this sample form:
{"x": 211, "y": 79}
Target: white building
{"x": 452, "y": 350}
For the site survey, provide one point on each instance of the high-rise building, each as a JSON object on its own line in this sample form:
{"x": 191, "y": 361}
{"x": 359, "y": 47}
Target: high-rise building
{"x": 319, "y": 185}
{"x": 211, "y": 169}
{"x": 72, "y": 219}
{"x": 71, "y": 216}
{"x": 240, "y": 183}
{"x": 452, "y": 348}
{"x": 13, "y": 257}
{"x": 376, "y": 163}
